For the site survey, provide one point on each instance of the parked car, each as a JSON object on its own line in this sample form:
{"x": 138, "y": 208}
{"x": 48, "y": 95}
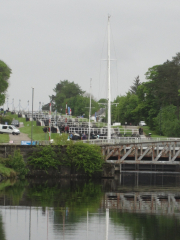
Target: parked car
{"x": 9, "y": 129}
{"x": 142, "y": 123}
{"x": 15, "y": 123}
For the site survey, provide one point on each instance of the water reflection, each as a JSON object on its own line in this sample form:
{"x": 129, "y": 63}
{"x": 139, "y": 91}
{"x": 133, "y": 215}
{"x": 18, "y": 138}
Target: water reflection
{"x": 129, "y": 207}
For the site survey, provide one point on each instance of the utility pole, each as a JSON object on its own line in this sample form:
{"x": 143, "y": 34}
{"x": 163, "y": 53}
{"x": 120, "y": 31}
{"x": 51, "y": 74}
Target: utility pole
{"x": 32, "y": 115}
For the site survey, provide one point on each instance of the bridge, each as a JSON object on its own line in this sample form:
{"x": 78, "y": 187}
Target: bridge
{"x": 145, "y": 154}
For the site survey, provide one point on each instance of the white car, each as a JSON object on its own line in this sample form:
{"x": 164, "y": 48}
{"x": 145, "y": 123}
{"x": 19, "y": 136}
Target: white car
{"x": 9, "y": 129}
{"x": 142, "y": 123}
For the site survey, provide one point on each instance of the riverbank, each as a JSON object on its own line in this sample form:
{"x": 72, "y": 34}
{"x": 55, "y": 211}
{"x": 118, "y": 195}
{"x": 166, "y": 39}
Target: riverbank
{"x": 76, "y": 160}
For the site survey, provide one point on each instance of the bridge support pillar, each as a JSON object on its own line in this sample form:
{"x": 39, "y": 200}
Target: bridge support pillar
{"x": 120, "y": 168}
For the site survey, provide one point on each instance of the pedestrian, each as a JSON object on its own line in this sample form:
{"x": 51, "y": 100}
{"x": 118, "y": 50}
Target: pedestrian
{"x": 139, "y": 131}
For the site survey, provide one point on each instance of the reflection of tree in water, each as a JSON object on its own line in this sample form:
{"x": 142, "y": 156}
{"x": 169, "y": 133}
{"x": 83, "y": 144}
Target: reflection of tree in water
{"x": 2, "y": 232}
{"x": 13, "y": 192}
{"x": 146, "y": 226}
{"x": 70, "y": 202}
{"x": 77, "y": 202}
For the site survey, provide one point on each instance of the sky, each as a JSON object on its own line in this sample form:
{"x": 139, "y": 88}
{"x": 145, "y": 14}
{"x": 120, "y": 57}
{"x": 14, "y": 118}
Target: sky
{"x": 46, "y": 41}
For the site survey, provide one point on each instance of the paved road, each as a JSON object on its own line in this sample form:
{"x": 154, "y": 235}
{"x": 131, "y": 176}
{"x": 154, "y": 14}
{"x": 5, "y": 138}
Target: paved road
{"x": 20, "y": 137}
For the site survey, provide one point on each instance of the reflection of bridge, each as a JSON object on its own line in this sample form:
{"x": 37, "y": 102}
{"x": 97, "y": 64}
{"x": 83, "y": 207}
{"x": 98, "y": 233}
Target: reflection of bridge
{"x": 144, "y": 202}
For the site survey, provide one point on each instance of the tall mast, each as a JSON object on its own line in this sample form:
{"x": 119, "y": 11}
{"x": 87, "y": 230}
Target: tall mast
{"x": 109, "y": 83}
{"x": 90, "y": 109}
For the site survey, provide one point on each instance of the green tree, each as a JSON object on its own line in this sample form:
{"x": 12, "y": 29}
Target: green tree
{"x": 5, "y": 72}
{"x": 124, "y": 111}
{"x": 134, "y": 87}
{"x": 79, "y": 105}
{"x": 65, "y": 90}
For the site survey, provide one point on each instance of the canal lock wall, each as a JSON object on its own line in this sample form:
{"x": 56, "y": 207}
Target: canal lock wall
{"x": 63, "y": 171}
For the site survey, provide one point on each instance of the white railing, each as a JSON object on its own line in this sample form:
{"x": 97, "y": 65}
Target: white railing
{"x": 128, "y": 140}
{"x": 104, "y": 130}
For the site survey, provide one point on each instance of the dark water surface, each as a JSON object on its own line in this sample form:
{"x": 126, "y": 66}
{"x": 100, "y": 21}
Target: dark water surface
{"x": 131, "y": 206}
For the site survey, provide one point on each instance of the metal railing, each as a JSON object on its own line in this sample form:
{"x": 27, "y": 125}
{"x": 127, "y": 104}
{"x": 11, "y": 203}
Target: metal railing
{"x": 128, "y": 140}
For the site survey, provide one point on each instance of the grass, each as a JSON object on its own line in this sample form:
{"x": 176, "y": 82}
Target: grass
{"x": 38, "y": 133}
{"x": 4, "y": 138}
{"x": 7, "y": 172}
{"x": 153, "y": 133}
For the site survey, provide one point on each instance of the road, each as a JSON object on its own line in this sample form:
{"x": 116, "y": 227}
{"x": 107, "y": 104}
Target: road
{"x": 18, "y": 138}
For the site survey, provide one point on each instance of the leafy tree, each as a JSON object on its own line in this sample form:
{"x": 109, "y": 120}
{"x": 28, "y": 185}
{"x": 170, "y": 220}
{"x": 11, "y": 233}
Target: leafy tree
{"x": 164, "y": 83}
{"x": 166, "y": 122}
{"x": 65, "y": 90}
{"x": 79, "y": 105}
{"x": 5, "y": 72}
{"x": 134, "y": 87}
{"x": 124, "y": 111}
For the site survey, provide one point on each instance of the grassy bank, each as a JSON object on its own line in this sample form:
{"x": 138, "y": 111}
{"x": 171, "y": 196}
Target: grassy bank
{"x": 4, "y": 138}
{"x": 7, "y": 172}
{"x": 146, "y": 130}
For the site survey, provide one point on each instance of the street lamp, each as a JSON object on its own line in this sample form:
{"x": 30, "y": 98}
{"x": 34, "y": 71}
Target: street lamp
{"x": 32, "y": 114}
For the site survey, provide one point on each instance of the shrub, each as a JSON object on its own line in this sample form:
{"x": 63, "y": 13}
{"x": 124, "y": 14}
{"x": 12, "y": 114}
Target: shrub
{"x": 7, "y": 119}
{"x": 61, "y": 139}
{"x": 85, "y": 157}
{"x": 44, "y": 158}
{"x": 17, "y": 163}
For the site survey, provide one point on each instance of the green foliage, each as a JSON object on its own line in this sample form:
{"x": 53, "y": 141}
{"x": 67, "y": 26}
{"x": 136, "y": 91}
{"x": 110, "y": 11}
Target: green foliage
{"x": 17, "y": 163}
{"x": 44, "y": 157}
{"x": 125, "y": 110}
{"x": 167, "y": 123}
{"x": 5, "y": 72}
{"x": 136, "y": 84}
{"x": 79, "y": 105}
{"x": 7, "y": 118}
{"x": 61, "y": 139}
{"x": 85, "y": 157}
{"x": 6, "y": 172}
{"x": 63, "y": 91}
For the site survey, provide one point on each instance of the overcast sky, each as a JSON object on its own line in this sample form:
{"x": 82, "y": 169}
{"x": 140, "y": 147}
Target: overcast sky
{"x": 45, "y": 41}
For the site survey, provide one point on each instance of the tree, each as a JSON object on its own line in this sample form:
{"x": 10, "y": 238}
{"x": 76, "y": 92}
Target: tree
{"x": 134, "y": 87}
{"x": 5, "y": 72}
{"x": 80, "y": 105}
{"x": 124, "y": 111}
{"x": 65, "y": 90}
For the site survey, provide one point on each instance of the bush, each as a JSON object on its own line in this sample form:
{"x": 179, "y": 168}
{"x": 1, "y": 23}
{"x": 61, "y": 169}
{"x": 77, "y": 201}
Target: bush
{"x": 44, "y": 158}
{"x": 85, "y": 157}
{"x": 167, "y": 123}
{"x": 7, "y": 119}
{"x": 61, "y": 139}
{"x": 17, "y": 163}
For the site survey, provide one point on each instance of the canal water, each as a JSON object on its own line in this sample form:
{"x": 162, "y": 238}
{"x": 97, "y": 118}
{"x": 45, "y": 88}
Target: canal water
{"x": 131, "y": 206}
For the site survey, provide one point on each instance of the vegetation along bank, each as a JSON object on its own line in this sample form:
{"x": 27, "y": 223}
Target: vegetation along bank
{"x": 54, "y": 161}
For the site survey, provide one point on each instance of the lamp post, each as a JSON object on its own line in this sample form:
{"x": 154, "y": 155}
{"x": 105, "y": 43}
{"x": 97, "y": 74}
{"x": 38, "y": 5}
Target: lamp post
{"x": 160, "y": 121}
{"x": 32, "y": 114}
{"x": 19, "y": 105}
{"x": 12, "y": 104}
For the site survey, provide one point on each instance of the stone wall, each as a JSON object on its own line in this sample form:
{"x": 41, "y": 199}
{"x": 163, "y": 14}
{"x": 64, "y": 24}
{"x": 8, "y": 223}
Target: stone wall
{"x": 108, "y": 169}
